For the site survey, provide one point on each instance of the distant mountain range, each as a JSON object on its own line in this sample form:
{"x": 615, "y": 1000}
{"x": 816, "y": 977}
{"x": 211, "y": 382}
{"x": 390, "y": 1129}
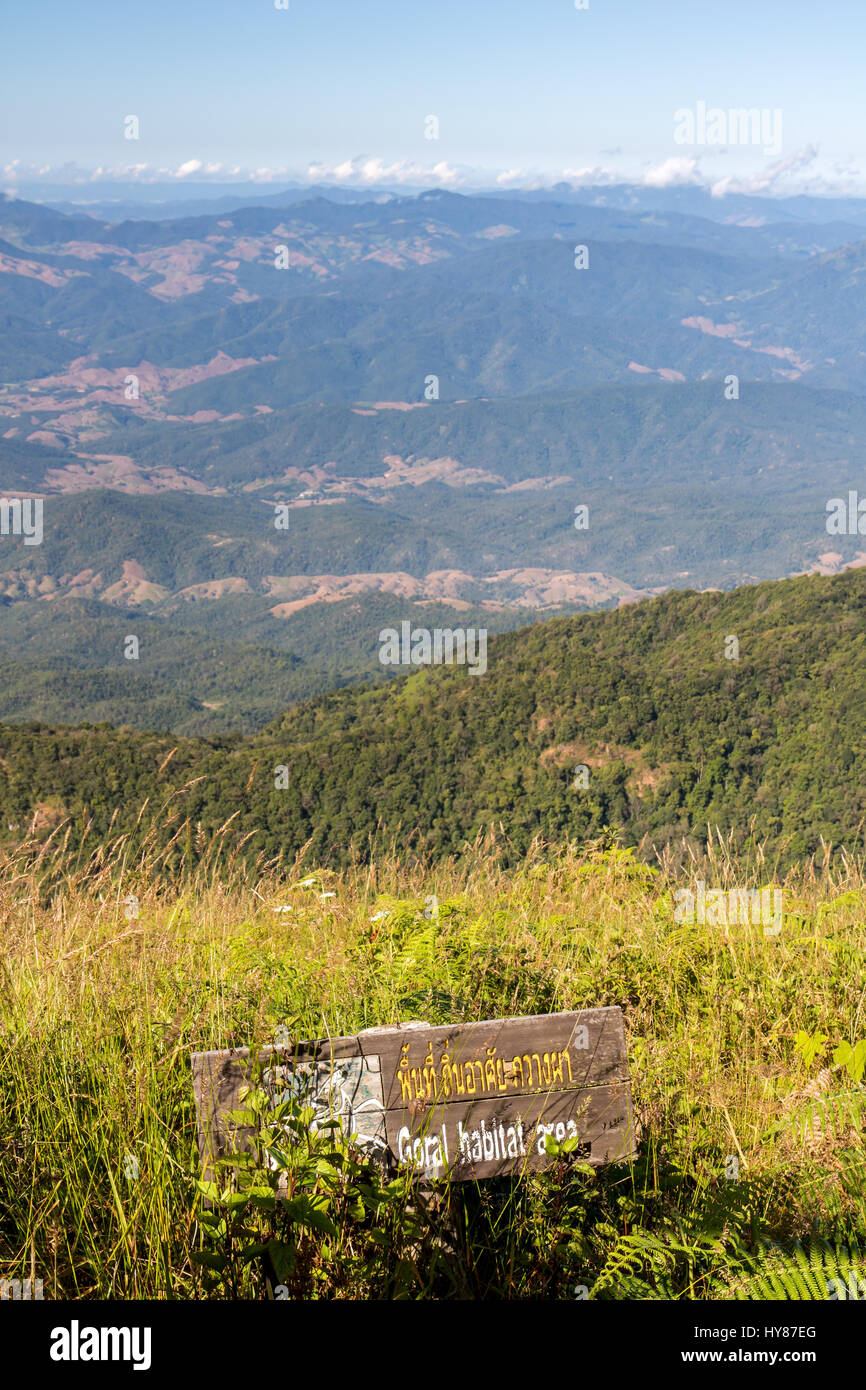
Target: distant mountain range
{"x": 115, "y": 200}
{"x": 428, "y": 386}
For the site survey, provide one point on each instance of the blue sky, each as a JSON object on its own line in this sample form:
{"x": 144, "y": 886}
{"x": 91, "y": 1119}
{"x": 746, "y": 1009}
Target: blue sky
{"x": 522, "y": 89}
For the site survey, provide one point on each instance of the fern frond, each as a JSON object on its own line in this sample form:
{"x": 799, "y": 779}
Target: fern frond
{"x": 814, "y": 1272}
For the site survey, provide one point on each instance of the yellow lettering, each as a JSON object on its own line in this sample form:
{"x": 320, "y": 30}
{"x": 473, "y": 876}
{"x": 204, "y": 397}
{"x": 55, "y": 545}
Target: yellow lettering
{"x": 490, "y": 1069}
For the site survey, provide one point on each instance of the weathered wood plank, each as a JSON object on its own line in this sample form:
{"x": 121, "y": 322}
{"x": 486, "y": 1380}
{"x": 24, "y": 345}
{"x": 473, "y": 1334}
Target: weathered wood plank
{"x": 547, "y": 1068}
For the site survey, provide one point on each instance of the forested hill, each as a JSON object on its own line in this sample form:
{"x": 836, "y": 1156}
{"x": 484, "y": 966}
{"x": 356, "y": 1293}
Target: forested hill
{"x": 674, "y": 735}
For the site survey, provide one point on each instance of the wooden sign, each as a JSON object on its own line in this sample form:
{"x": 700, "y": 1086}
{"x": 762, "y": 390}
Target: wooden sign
{"x": 472, "y": 1100}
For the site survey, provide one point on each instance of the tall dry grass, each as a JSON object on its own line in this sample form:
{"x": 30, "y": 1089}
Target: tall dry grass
{"x": 741, "y": 1122}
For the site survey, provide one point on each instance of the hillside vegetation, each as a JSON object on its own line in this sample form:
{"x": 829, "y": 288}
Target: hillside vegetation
{"x": 200, "y": 671}
{"x": 673, "y": 736}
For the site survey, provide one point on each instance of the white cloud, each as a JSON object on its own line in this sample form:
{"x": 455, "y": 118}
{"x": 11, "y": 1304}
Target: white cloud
{"x": 595, "y": 175}
{"x": 765, "y": 181}
{"x": 796, "y": 173}
{"x": 366, "y": 170}
{"x": 672, "y": 173}
{"x": 342, "y": 171}
{"x": 444, "y": 173}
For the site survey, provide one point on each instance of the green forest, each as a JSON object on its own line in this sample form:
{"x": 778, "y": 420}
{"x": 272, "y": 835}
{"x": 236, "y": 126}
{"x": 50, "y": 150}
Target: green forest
{"x": 678, "y": 729}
